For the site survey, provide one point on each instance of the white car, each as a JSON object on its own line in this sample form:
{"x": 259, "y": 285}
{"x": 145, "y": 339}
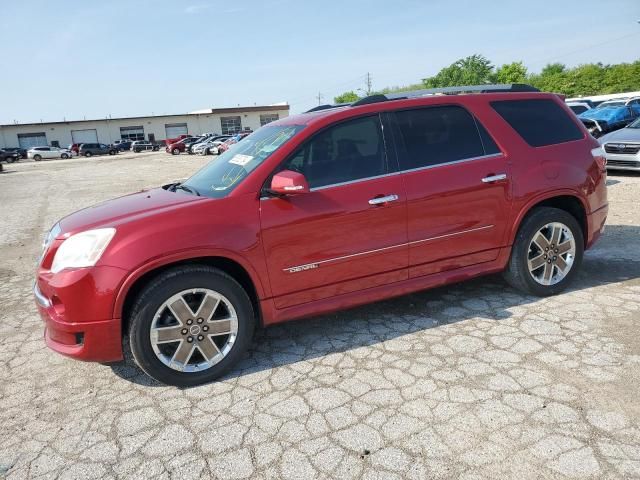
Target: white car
{"x": 633, "y": 102}
{"x": 579, "y": 107}
{"x": 38, "y": 153}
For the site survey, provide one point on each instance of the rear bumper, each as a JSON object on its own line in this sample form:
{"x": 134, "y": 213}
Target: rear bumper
{"x": 595, "y": 225}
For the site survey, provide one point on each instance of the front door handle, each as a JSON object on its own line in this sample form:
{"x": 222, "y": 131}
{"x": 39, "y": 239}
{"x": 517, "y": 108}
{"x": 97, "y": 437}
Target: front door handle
{"x": 494, "y": 178}
{"x": 381, "y": 200}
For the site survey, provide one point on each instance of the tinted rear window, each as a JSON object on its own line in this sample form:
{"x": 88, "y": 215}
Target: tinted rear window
{"x": 539, "y": 122}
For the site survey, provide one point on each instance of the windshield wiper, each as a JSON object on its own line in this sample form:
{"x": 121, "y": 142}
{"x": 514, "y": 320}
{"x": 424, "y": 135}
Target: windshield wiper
{"x": 182, "y": 186}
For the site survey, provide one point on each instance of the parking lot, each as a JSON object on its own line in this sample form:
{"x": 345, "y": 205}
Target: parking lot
{"x": 468, "y": 381}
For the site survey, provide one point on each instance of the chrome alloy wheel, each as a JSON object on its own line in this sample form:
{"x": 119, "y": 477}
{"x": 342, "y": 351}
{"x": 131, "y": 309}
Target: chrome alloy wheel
{"x": 194, "y": 330}
{"x": 551, "y": 253}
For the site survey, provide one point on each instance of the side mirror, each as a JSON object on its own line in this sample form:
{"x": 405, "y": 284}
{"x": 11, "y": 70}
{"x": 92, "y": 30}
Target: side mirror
{"x": 288, "y": 182}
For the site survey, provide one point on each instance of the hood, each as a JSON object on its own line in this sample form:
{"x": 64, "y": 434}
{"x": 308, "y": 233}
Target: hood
{"x": 623, "y": 135}
{"x": 125, "y": 209}
{"x": 606, "y": 114}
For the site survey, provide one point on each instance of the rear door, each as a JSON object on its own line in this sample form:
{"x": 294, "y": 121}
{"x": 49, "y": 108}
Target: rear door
{"x": 350, "y": 232}
{"x": 458, "y": 188}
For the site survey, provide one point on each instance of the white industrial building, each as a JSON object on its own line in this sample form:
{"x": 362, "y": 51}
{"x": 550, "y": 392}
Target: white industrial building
{"x": 153, "y": 128}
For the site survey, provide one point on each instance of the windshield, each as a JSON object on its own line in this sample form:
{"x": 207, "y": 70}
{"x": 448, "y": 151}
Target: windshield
{"x": 218, "y": 178}
{"x": 635, "y": 124}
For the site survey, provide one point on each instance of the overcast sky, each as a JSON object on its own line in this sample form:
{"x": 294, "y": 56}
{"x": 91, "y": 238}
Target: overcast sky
{"x": 74, "y": 59}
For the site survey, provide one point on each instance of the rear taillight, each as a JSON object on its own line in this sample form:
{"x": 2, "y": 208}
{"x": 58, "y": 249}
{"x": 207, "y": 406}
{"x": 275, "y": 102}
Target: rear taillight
{"x": 601, "y": 160}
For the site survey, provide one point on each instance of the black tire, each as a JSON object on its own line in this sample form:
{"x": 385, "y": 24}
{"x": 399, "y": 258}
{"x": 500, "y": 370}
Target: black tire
{"x": 87, "y": 154}
{"x": 64, "y": 156}
{"x": 137, "y": 150}
{"x": 112, "y": 152}
{"x": 175, "y": 151}
{"x": 156, "y": 149}
{"x": 165, "y": 286}
{"x": 37, "y": 158}
{"x": 517, "y": 273}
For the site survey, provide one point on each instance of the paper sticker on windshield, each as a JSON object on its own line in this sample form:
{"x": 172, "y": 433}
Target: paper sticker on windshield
{"x": 241, "y": 160}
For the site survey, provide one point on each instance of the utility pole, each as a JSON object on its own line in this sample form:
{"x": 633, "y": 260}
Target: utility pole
{"x": 319, "y": 97}
{"x": 369, "y": 84}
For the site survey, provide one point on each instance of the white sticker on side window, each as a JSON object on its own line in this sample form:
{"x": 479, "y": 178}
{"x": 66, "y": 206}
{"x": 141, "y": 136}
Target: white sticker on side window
{"x": 241, "y": 160}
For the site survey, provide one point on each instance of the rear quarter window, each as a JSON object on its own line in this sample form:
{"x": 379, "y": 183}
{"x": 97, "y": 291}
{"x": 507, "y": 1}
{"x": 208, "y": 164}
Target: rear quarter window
{"x": 540, "y": 122}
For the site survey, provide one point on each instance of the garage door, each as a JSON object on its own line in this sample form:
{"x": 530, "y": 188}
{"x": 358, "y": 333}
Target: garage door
{"x": 174, "y": 130}
{"x": 30, "y": 140}
{"x": 84, "y": 136}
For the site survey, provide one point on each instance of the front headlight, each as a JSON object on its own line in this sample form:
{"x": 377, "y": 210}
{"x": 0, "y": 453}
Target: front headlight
{"x": 48, "y": 240}
{"x": 83, "y": 249}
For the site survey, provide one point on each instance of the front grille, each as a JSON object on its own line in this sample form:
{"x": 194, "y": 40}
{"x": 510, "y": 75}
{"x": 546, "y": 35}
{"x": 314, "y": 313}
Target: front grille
{"x": 624, "y": 148}
{"x": 623, "y": 163}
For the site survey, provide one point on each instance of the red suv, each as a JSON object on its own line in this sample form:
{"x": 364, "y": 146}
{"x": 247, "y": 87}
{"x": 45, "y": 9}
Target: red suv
{"x": 322, "y": 211}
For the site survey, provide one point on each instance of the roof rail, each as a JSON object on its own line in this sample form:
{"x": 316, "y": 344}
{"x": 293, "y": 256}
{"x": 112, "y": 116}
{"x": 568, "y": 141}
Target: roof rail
{"x": 504, "y": 87}
{"x": 327, "y": 107}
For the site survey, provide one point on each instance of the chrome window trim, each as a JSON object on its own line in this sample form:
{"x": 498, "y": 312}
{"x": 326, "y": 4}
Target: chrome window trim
{"x": 426, "y": 167}
{"x": 313, "y": 265}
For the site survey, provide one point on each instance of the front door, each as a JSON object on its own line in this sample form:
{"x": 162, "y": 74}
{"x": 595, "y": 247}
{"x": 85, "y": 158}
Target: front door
{"x": 350, "y": 232}
{"x": 458, "y": 188}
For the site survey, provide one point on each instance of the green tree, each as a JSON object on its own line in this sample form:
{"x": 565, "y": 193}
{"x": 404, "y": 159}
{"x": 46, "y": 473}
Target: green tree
{"x": 473, "y": 70}
{"x": 347, "y": 97}
{"x": 514, "y": 72}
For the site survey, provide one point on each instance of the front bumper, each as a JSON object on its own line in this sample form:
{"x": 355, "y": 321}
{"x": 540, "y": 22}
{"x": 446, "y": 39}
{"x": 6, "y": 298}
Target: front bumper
{"x": 623, "y": 162}
{"x": 77, "y": 309}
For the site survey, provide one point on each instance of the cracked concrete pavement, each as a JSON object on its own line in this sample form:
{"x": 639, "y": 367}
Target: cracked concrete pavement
{"x": 467, "y": 381}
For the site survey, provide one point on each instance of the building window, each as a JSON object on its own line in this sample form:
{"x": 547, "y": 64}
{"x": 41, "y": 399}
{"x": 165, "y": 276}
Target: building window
{"x": 268, "y": 118}
{"x": 231, "y": 125}
{"x": 132, "y": 133}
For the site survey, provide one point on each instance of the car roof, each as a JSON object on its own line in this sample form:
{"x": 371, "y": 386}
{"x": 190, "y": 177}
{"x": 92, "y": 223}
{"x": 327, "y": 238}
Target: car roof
{"x": 328, "y": 115}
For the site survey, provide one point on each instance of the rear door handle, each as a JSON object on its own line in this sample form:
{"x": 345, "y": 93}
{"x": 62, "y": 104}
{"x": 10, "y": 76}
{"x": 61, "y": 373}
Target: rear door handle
{"x": 381, "y": 200}
{"x": 494, "y": 178}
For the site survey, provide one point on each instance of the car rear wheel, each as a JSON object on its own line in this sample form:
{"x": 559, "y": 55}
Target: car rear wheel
{"x": 87, "y": 154}
{"x": 64, "y": 156}
{"x": 37, "y": 158}
{"x": 190, "y": 326}
{"x": 547, "y": 252}
{"x": 112, "y": 152}
{"x": 175, "y": 151}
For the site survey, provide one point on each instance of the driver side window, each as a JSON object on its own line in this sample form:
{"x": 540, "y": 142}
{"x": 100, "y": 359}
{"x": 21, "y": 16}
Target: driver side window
{"x": 349, "y": 151}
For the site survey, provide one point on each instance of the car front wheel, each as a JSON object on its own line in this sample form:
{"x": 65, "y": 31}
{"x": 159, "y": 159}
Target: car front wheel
{"x": 175, "y": 151}
{"x": 190, "y": 325}
{"x": 547, "y": 252}
{"x": 87, "y": 154}
{"x": 37, "y": 158}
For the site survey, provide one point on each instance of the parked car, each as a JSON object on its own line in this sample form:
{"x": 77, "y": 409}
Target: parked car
{"x": 22, "y": 152}
{"x": 579, "y": 107}
{"x": 9, "y": 156}
{"x": 74, "y": 148}
{"x": 622, "y": 147}
{"x": 178, "y": 147}
{"x": 40, "y": 153}
{"x": 122, "y": 145}
{"x": 323, "y": 211}
{"x": 143, "y": 145}
{"x": 204, "y": 148}
{"x": 633, "y": 102}
{"x": 89, "y": 149}
{"x": 602, "y": 120}
{"x": 200, "y": 140}
{"x": 169, "y": 141}
{"x": 224, "y": 146}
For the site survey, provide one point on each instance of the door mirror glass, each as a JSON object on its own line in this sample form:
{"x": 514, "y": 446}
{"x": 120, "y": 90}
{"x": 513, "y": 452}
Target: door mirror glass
{"x": 288, "y": 182}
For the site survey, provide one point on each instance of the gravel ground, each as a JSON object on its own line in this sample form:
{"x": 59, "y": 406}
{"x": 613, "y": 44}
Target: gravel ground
{"x": 468, "y": 381}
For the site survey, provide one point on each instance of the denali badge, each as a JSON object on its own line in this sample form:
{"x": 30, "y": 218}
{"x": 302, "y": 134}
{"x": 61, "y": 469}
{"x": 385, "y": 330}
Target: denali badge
{"x": 301, "y": 268}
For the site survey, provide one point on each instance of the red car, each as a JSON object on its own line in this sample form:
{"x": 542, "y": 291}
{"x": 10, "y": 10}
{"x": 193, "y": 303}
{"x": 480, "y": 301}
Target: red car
{"x": 226, "y": 145}
{"x": 323, "y": 211}
{"x": 180, "y": 146}
{"x": 169, "y": 141}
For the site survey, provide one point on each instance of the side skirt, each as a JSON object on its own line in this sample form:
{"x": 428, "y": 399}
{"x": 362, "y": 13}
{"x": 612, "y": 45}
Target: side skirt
{"x": 272, "y": 315}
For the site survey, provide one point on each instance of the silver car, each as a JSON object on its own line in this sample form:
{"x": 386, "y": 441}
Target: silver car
{"x": 622, "y": 147}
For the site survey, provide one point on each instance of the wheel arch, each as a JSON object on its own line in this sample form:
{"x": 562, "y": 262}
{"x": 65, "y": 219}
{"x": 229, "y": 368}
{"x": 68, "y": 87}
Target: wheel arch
{"x": 567, "y": 200}
{"x": 134, "y": 284}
